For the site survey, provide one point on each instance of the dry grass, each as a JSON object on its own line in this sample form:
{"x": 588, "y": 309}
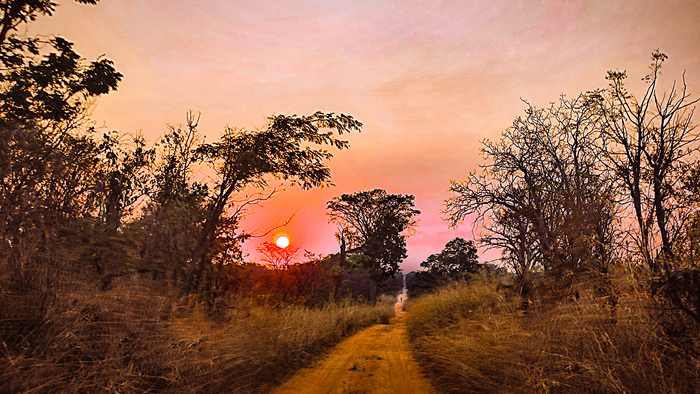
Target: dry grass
{"x": 132, "y": 339}
{"x": 471, "y": 339}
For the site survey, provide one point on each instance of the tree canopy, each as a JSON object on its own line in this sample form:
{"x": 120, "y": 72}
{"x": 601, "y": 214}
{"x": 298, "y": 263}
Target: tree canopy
{"x": 456, "y": 258}
{"x": 377, "y": 223}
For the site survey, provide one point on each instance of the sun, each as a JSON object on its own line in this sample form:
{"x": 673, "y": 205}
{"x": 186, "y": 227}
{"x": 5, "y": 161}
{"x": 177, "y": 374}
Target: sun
{"x": 282, "y": 241}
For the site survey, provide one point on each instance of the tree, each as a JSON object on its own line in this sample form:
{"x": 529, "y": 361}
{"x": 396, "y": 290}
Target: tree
{"x": 47, "y": 171}
{"x": 249, "y": 159}
{"x": 377, "y": 222}
{"x": 124, "y": 176}
{"x": 50, "y": 163}
{"x": 653, "y": 151}
{"x": 276, "y": 257}
{"x": 18, "y": 12}
{"x": 650, "y": 144}
{"x": 456, "y": 258}
{"x": 544, "y": 196}
{"x": 175, "y": 210}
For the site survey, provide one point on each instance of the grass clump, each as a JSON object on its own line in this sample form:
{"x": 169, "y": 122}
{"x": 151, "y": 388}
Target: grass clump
{"x": 470, "y": 338}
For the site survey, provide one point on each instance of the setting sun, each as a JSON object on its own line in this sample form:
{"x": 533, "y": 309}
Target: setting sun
{"x": 282, "y": 241}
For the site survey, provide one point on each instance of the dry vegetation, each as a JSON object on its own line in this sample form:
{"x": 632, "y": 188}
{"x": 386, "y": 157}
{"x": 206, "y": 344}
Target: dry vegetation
{"x": 136, "y": 338}
{"x": 472, "y": 338}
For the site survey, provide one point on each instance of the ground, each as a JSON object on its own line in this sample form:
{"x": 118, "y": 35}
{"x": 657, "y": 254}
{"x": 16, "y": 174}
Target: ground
{"x": 375, "y": 360}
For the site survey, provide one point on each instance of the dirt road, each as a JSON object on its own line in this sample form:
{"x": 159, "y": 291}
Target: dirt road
{"x": 375, "y": 360}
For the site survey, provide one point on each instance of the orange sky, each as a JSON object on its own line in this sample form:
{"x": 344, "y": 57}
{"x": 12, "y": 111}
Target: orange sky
{"x": 429, "y": 79}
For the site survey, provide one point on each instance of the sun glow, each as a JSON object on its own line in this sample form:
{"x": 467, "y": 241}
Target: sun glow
{"x": 282, "y": 241}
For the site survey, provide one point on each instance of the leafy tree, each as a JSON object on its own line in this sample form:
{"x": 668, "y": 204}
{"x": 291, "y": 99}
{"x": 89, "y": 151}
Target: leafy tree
{"x": 50, "y": 166}
{"x": 18, "y": 12}
{"x": 125, "y": 176}
{"x": 243, "y": 159}
{"x": 176, "y": 207}
{"x": 376, "y": 221}
{"x": 458, "y": 257}
{"x": 423, "y": 282}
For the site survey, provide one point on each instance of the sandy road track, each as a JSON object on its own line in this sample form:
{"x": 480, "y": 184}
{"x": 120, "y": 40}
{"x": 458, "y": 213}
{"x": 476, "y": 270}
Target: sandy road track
{"x": 375, "y": 360}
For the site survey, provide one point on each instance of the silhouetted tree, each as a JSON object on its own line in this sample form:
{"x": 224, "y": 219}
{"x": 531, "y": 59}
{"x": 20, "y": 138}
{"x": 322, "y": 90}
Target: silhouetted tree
{"x": 376, "y": 221}
{"x": 244, "y": 159}
{"x": 545, "y": 195}
{"x": 456, "y": 258}
{"x": 176, "y": 208}
{"x": 275, "y": 257}
{"x": 50, "y": 164}
{"x": 125, "y": 176}
{"x": 652, "y": 149}
{"x": 651, "y": 141}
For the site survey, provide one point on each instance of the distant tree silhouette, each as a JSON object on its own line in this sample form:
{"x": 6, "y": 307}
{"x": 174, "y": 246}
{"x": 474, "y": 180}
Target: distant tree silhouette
{"x": 457, "y": 257}
{"x": 275, "y": 257}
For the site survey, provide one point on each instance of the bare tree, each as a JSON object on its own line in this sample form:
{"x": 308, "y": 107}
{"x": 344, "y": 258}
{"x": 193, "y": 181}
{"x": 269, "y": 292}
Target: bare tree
{"x": 276, "y": 257}
{"x": 544, "y": 196}
{"x": 650, "y": 141}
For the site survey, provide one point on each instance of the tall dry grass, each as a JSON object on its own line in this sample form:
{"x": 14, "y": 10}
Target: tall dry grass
{"x": 137, "y": 338}
{"x": 471, "y": 339}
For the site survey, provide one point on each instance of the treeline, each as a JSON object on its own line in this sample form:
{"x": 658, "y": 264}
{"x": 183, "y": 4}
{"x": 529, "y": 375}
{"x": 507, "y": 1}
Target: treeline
{"x": 605, "y": 181}
{"x": 81, "y": 206}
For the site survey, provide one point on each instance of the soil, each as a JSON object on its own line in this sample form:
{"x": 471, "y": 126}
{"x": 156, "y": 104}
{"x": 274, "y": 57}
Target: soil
{"x": 375, "y": 360}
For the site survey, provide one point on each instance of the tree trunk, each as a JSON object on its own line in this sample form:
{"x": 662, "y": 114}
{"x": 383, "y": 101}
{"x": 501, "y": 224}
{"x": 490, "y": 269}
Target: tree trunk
{"x": 372, "y": 290}
{"x": 341, "y": 264}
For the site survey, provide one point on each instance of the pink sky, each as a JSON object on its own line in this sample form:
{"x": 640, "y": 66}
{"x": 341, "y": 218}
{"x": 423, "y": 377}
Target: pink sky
{"x": 429, "y": 79}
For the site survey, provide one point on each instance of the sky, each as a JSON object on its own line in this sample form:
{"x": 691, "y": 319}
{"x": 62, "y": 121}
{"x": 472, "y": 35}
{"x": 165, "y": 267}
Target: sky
{"x": 428, "y": 79}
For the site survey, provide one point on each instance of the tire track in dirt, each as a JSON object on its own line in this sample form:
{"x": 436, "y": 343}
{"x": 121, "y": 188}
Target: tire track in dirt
{"x": 375, "y": 360}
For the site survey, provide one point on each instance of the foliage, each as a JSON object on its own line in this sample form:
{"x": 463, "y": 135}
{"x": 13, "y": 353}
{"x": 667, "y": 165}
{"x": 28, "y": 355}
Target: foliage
{"x": 51, "y": 169}
{"x": 456, "y": 258}
{"x": 376, "y": 221}
{"x": 244, "y": 159}
{"x": 307, "y": 283}
{"x": 591, "y": 182}
{"x": 423, "y": 282}
{"x": 124, "y": 177}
